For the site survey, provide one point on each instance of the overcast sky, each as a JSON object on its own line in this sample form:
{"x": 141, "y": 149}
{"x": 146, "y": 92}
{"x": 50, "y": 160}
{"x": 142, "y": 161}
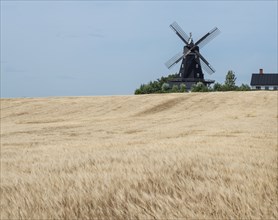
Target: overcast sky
{"x": 81, "y": 48}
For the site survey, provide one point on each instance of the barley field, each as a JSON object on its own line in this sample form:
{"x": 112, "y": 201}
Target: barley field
{"x": 170, "y": 156}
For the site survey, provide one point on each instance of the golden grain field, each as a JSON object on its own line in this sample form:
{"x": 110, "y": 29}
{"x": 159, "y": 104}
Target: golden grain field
{"x": 170, "y": 156}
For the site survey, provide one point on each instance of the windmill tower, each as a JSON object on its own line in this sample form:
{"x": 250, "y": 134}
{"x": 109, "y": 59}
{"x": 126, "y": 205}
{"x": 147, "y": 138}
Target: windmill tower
{"x": 192, "y": 61}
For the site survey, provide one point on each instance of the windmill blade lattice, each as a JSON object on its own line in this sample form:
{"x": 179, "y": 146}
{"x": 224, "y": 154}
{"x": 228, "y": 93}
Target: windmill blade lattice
{"x": 182, "y": 35}
{"x": 205, "y": 64}
{"x": 175, "y": 59}
{"x": 208, "y": 68}
{"x": 208, "y": 37}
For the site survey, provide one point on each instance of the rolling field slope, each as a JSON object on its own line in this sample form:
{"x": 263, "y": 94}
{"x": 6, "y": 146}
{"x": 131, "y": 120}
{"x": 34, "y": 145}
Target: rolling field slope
{"x": 194, "y": 155}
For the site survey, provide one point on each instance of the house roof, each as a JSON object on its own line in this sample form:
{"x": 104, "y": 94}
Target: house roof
{"x": 266, "y": 79}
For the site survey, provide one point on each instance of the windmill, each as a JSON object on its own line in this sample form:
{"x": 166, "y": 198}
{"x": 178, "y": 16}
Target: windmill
{"x": 192, "y": 61}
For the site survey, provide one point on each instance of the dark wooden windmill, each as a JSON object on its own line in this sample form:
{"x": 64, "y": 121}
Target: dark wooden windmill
{"x": 192, "y": 61}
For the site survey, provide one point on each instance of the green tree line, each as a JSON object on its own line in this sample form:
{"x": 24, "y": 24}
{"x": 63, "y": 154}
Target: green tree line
{"x": 161, "y": 86}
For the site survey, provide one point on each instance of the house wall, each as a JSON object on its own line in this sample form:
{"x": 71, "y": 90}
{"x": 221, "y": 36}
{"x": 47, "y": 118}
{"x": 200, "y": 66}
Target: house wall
{"x": 264, "y": 87}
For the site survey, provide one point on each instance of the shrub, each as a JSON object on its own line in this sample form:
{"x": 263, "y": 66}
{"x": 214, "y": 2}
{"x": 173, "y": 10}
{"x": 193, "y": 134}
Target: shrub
{"x": 182, "y": 87}
{"x": 244, "y": 87}
{"x": 199, "y": 87}
{"x": 155, "y": 86}
{"x": 165, "y": 87}
{"x": 137, "y": 92}
{"x": 217, "y": 87}
{"x": 175, "y": 89}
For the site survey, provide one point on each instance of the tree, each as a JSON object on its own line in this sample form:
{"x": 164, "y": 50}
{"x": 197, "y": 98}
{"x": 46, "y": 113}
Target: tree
{"x": 230, "y": 82}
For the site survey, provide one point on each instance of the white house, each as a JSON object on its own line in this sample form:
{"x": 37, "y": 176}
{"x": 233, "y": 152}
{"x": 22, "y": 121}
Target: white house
{"x": 264, "y": 81}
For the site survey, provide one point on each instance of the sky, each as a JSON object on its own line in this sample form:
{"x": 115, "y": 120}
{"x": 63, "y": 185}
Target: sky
{"x": 92, "y": 48}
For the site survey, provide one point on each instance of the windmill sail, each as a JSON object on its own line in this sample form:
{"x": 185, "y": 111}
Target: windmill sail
{"x": 205, "y": 64}
{"x": 182, "y": 35}
{"x": 208, "y": 37}
{"x": 175, "y": 59}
